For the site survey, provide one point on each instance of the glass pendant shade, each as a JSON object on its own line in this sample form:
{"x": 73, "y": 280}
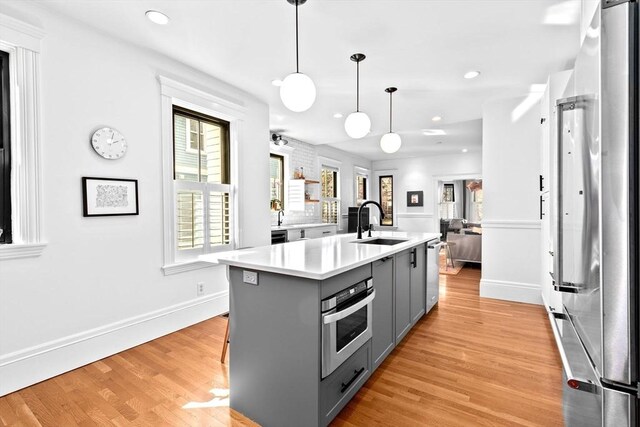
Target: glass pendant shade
{"x": 298, "y": 93}
{"x": 390, "y": 142}
{"x": 357, "y": 125}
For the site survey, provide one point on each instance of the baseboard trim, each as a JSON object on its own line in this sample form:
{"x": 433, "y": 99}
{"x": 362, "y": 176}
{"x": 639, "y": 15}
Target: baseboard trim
{"x": 529, "y": 293}
{"x": 32, "y": 365}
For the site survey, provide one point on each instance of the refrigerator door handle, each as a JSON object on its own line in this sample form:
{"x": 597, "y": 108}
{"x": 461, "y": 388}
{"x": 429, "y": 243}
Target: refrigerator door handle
{"x": 572, "y": 381}
{"x": 570, "y": 288}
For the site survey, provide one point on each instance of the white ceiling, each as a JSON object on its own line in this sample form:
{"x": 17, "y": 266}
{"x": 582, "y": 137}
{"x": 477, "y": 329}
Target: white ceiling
{"x": 423, "y": 47}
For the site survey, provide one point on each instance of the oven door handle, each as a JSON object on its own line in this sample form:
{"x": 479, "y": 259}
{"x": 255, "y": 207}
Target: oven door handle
{"x": 331, "y": 318}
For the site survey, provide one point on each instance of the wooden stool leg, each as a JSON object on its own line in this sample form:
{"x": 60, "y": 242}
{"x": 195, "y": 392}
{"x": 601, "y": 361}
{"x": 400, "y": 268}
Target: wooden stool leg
{"x": 226, "y": 342}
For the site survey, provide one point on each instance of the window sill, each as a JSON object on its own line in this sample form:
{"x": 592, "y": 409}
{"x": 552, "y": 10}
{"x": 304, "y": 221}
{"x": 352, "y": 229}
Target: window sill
{"x": 26, "y": 250}
{"x": 184, "y": 266}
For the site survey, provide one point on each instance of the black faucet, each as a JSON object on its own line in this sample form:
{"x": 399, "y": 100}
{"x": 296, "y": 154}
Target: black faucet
{"x": 280, "y": 219}
{"x": 368, "y": 202}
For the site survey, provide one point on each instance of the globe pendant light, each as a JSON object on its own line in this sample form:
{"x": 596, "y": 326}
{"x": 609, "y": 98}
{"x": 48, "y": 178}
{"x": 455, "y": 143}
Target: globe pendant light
{"x": 298, "y": 93}
{"x": 390, "y": 142}
{"x": 358, "y": 123}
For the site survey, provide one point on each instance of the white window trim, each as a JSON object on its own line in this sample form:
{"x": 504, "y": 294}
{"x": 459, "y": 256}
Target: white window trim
{"x": 285, "y": 152}
{"x": 393, "y": 173}
{"x": 192, "y": 97}
{"x": 334, "y": 164}
{"x": 360, "y": 171}
{"x": 22, "y": 41}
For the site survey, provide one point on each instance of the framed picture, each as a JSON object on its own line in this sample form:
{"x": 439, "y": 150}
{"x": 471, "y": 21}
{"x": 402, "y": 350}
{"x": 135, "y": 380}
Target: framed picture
{"x": 415, "y": 198}
{"x": 109, "y": 196}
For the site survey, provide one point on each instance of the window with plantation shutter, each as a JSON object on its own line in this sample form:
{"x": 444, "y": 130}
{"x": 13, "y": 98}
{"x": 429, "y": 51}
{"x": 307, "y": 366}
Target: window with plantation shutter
{"x": 202, "y": 184}
{"x": 329, "y": 195}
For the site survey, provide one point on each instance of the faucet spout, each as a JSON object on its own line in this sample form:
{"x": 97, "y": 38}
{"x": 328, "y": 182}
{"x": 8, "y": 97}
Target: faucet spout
{"x": 368, "y": 202}
{"x": 280, "y": 212}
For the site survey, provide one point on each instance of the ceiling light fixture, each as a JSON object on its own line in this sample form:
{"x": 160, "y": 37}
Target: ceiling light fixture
{"x": 471, "y": 74}
{"x": 278, "y": 140}
{"x": 390, "y": 142}
{"x": 276, "y": 82}
{"x": 358, "y": 123}
{"x": 436, "y": 118}
{"x": 464, "y": 150}
{"x": 337, "y": 116}
{"x": 157, "y": 17}
{"x": 298, "y": 92}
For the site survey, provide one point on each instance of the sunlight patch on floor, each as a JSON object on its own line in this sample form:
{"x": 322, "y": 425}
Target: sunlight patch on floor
{"x": 220, "y": 400}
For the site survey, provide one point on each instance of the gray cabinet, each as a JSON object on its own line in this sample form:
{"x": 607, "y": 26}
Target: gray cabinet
{"x": 418, "y": 283}
{"x": 383, "y": 339}
{"x": 403, "y": 293}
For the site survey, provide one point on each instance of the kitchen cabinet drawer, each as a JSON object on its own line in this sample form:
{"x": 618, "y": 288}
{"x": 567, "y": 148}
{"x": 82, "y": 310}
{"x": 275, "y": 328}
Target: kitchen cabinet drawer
{"x": 338, "y": 388}
{"x": 317, "y": 232}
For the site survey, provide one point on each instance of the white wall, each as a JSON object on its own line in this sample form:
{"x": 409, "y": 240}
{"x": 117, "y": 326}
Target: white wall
{"x": 422, "y": 174}
{"x": 302, "y": 154}
{"x": 98, "y": 288}
{"x": 511, "y": 223}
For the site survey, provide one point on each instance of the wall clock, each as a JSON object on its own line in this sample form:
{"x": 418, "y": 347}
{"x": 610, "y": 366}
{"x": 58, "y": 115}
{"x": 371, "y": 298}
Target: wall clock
{"x": 109, "y": 143}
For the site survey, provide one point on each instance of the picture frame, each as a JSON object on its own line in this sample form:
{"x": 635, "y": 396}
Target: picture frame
{"x": 109, "y": 196}
{"x": 415, "y": 198}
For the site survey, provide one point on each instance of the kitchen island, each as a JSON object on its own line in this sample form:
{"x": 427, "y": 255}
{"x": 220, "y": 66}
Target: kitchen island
{"x": 311, "y": 320}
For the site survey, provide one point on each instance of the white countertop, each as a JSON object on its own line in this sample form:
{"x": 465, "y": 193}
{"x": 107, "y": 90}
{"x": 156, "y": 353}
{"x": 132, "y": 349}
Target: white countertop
{"x": 294, "y": 226}
{"x": 317, "y": 259}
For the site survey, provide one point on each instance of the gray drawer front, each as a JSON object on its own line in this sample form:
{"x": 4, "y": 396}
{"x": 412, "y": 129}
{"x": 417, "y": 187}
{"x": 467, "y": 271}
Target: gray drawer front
{"x": 338, "y": 283}
{"x": 338, "y": 388}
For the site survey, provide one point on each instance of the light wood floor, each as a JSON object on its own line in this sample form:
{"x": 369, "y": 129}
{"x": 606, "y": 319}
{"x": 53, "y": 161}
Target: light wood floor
{"x": 471, "y": 362}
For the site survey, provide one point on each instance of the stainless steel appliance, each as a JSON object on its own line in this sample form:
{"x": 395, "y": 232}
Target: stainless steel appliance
{"x": 346, "y": 324}
{"x": 595, "y": 216}
{"x": 433, "y": 273}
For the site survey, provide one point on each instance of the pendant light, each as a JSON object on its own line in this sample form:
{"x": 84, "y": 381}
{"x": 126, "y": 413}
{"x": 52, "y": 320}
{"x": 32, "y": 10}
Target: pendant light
{"x": 358, "y": 123}
{"x": 390, "y": 142}
{"x": 298, "y": 93}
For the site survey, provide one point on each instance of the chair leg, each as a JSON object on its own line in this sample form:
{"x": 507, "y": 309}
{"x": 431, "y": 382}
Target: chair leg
{"x": 226, "y": 342}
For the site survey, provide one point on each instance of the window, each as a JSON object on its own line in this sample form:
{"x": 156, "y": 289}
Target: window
{"x": 476, "y": 200}
{"x": 201, "y": 152}
{"x": 361, "y": 189}
{"x": 276, "y": 182}
{"x": 329, "y": 181}
{"x": 448, "y": 193}
{"x": 5, "y": 151}
{"x": 22, "y": 234}
{"x": 386, "y": 199}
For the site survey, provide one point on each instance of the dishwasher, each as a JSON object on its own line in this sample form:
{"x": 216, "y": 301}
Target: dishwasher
{"x": 433, "y": 273}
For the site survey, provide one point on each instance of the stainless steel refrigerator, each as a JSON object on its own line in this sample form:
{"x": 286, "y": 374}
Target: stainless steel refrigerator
{"x": 595, "y": 222}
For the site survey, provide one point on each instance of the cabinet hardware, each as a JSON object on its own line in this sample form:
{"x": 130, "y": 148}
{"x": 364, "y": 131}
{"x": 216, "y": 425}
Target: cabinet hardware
{"x": 414, "y": 260}
{"x": 356, "y": 373}
{"x": 541, "y": 183}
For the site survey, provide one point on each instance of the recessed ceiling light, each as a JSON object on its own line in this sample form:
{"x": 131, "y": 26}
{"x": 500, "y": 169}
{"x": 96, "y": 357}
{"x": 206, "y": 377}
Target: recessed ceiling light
{"x": 157, "y": 17}
{"x": 337, "y": 116}
{"x": 464, "y": 150}
{"x": 471, "y": 74}
{"x": 432, "y": 132}
{"x": 436, "y": 118}
{"x": 276, "y": 82}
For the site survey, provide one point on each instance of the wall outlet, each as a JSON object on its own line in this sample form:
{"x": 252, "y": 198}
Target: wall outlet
{"x": 200, "y": 289}
{"x": 250, "y": 277}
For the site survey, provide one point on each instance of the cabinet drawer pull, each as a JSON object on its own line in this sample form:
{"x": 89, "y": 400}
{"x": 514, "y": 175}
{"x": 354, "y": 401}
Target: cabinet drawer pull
{"x": 326, "y": 232}
{"x": 356, "y": 373}
{"x": 414, "y": 260}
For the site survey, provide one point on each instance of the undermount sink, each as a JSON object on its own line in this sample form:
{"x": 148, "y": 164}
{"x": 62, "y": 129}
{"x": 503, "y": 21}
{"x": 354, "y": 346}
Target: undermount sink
{"x": 380, "y": 241}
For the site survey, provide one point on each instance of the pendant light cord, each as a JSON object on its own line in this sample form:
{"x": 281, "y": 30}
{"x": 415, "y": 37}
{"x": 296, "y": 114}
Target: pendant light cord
{"x": 297, "y": 61}
{"x": 390, "y": 110}
{"x": 358, "y": 86}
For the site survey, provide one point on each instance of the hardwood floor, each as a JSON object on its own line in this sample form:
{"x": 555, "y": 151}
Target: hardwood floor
{"x": 471, "y": 362}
